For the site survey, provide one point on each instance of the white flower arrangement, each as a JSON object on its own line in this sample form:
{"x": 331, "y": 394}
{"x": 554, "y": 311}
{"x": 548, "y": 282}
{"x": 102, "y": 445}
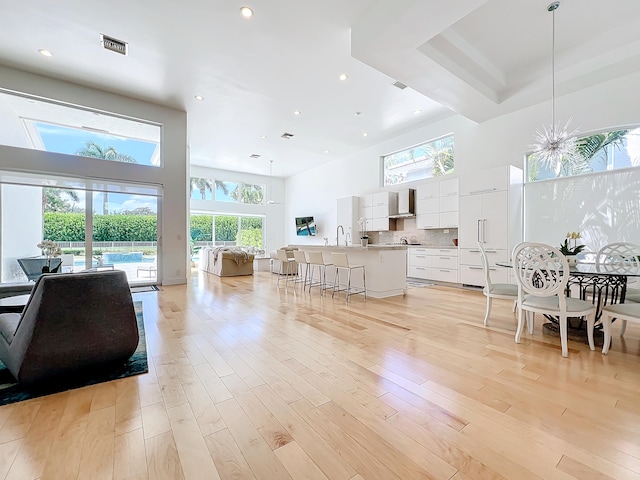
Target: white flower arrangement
{"x": 49, "y": 249}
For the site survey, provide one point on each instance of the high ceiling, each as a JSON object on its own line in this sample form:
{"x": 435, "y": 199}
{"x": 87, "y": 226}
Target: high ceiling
{"x": 478, "y": 58}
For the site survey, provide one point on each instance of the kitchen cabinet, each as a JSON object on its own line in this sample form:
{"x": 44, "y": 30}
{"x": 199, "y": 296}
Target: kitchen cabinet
{"x": 418, "y": 263}
{"x": 439, "y": 264}
{"x": 348, "y": 215}
{"x": 377, "y": 208}
{"x": 490, "y": 213}
{"x": 437, "y": 204}
{"x": 365, "y": 209}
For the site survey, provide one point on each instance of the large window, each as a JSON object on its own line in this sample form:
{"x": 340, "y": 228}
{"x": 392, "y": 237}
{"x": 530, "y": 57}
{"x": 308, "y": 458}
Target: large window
{"x": 104, "y": 225}
{"x": 430, "y": 159}
{"x": 226, "y": 191}
{"x": 605, "y": 151}
{"x": 37, "y": 124}
{"x": 226, "y": 230}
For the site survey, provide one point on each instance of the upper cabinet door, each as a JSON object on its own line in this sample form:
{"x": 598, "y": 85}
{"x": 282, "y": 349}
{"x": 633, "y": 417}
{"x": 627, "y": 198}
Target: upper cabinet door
{"x": 427, "y": 205}
{"x": 379, "y": 199}
{"x": 485, "y": 181}
{"x": 428, "y": 190}
{"x": 449, "y": 204}
{"x": 449, "y": 187}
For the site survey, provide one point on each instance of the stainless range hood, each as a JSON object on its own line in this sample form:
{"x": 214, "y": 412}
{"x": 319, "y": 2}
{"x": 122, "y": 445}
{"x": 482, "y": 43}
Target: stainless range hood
{"x": 406, "y": 204}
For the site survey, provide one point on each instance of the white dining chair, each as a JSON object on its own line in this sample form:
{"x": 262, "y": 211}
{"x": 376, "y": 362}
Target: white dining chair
{"x": 621, "y": 311}
{"x": 542, "y": 273}
{"x": 624, "y": 257}
{"x": 506, "y": 291}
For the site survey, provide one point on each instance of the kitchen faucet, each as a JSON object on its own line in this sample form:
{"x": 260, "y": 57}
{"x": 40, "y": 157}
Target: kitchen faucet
{"x": 338, "y": 234}
{"x": 347, "y": 239}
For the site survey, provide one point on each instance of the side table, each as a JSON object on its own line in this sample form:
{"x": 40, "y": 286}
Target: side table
{"x": 14, "y": 304}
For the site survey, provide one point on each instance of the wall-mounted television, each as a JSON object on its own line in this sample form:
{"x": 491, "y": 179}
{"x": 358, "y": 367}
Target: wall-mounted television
{"x": 305, "y": 226}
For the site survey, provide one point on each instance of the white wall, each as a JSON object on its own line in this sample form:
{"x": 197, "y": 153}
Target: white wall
{"x": 172, "y": 176}
{"x": 16, "y": 227}
{"x": 274, "y": 214}
{"x": 500, "y": 141}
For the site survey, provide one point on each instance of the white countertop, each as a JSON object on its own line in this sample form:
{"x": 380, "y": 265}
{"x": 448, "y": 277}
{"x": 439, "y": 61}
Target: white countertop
{"x": 351, "y": 247}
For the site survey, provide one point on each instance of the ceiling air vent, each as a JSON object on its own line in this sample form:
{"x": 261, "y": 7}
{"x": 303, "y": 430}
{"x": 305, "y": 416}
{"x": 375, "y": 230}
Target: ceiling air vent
{"x": 114, "y": 44}
{"x": 400, "y": 85}
{"x": 287, "y": 136}
{"x": 254, "y": 155}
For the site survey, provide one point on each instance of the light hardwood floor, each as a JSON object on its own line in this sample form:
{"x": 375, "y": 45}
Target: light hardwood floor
{"x": 247, "y": 381}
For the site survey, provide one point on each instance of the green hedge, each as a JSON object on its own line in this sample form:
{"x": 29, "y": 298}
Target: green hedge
{"x": 69, "y": 227}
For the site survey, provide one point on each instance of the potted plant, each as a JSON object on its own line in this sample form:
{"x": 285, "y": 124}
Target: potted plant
{"x": 50, "y": 249}
{"x": 570, "y": 247}
{"x": 364, "y": 238}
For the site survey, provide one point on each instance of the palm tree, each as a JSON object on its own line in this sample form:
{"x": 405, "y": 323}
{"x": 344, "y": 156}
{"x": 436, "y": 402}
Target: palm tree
{"x": 590, "y": 146}
{"x": 53, "y": 201}
{"x": 249, "y": 194}
{"x": 202, "y": 185}
{"x": 94, "y": 150}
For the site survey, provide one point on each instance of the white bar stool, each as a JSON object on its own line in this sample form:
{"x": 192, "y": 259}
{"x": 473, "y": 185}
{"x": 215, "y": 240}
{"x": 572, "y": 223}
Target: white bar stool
{"x": 286, "y": 266}
{"x": 317, "y": 260}
{"x": 341, "y": 262}
{"x": 303, "y": 267}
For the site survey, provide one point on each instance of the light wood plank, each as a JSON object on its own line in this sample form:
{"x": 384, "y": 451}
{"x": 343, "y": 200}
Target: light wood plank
{"x": 154, "y": 420}
{"x": 130, "y": 460}
{"x": 298, "y": 463}
{"x": 228, "y": 457}
{"x": 192, "y": 449}
{"x": 163, "y": 461}
{"x": 256, "y": 451}
{"x": 98, "y": 450}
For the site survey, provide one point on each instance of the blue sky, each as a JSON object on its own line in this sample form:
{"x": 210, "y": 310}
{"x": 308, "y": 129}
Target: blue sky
{"x": 70, "y": 140}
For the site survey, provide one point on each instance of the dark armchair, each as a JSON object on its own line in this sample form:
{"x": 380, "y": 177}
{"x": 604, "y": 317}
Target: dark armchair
{"x": 72, "y": 323}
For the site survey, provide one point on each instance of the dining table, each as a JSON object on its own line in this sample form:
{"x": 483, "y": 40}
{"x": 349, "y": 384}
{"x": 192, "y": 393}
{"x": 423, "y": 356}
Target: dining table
{"x": 602, "y": 284}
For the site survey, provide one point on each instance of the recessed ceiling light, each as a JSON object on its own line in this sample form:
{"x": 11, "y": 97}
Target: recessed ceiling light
{"x": 297, "y": 112}
{"x": 417, "y": 112}
{"x": 343, "y": 76}
{"x": 357, "y": 114}
{"x": 45, "y": 53}
{"x": 263, "y": 137}
{"x": 365, "y": 134}
{"x": 326, "y": 151}
{"x": 246, "y": 12}
{"x": 199, "y": 97}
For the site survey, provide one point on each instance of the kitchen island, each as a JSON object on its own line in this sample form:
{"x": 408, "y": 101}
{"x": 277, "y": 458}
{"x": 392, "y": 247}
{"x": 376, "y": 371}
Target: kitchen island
{"x": 385, "y": 265}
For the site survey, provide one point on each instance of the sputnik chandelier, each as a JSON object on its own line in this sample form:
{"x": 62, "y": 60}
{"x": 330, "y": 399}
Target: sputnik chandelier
{"x": 555, "y": 143}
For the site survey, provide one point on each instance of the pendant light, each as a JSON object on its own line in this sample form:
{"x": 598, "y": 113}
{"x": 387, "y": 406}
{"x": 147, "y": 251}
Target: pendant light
{"x": 271, "y": 201}
{"x": 555, "y": 143}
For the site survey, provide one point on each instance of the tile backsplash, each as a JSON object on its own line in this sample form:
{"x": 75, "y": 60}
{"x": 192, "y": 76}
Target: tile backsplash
{"x": 406, "y": 227}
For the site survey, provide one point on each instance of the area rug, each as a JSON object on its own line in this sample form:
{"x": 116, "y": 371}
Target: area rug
{"x": 11, "y": 392}
{"x": 145, "y": 288}
{"x": 419, "y": 284}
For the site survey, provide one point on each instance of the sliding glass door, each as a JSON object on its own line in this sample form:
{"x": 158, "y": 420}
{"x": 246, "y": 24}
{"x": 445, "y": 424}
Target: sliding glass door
{"x": 102, "y": 227}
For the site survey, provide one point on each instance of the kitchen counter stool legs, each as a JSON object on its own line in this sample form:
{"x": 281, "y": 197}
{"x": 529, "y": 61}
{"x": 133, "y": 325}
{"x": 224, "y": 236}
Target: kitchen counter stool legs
{"x": 317, "y": 260}
{"x": 341, "y": 262}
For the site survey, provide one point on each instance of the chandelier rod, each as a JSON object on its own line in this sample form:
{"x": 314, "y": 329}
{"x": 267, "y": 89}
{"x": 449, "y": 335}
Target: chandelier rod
{"x": 552, "y": 8}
